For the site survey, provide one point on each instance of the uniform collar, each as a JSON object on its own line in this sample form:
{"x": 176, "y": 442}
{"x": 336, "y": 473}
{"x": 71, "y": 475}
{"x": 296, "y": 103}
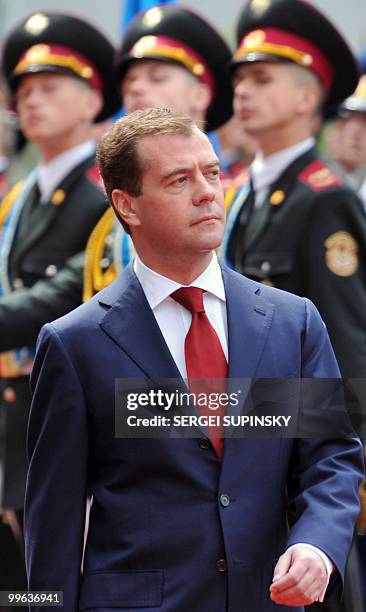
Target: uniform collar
{"x": 51, "y": 174}
{"x": 266, "y": 170}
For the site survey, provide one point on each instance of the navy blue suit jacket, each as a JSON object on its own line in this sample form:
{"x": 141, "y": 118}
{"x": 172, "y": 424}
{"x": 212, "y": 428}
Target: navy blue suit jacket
{"x": 158, "y": 535}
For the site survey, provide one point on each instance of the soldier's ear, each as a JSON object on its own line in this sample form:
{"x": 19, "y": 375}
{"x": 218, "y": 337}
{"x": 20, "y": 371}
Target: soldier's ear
{"x": 94, "y": 104}
{"x": 124, "y": 206}
{"x": 200, "y": 99}
{"x": 308, "y": 98}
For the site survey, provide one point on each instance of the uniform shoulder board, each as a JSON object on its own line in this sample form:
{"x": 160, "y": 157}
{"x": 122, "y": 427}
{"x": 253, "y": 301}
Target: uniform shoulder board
{"x": 93, "y": 175}
{"x": 319, "y": 176}
{"x": 236, "y": 184}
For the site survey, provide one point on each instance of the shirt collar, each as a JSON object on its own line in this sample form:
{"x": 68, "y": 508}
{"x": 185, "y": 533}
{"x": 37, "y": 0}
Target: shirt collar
{"x": 157, "y": 287}
{"x": 50, "y": 174}
{"x": 265, "y": 170}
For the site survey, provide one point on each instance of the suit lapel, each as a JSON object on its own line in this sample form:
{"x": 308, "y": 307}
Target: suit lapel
{"x": 249, "y": 319}
{"x": 131, "y": 324}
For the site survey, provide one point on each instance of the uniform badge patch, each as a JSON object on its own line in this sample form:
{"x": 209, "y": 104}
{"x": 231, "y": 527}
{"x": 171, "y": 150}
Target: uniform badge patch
{"x": 341, "y": 254}
{"x": 318, "y": 176}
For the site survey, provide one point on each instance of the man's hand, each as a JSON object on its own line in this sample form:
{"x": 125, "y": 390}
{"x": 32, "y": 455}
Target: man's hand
{"x": 299, "y": 578}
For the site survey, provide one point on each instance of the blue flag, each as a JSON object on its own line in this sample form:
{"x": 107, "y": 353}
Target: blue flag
{"x": 135, "y": 6}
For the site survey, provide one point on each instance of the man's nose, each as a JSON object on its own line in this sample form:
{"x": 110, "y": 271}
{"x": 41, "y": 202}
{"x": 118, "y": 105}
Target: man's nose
{"x": 241, "y": 88}
{"x": 203, "y": 192}
{"x": 136, "y": 84}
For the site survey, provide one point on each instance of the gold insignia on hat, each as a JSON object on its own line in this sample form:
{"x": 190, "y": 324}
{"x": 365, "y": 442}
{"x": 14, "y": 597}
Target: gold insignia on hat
{"x": 198, "y": 69}
{"x": 259, "y": 6}
{"x": 86, "y": 72}
{"x": 277, "y": 197}
{"x": 58, "y": 197}
{"x": 37, "y": 53}
{"x": 341, "y": 254}
{"x": 361, "y": 88}
{"x": 255, "y": 38}
{"x": 307, "y": 59}
{"x": 36, "y": 23}
{"x": 144, "y": 45}
{"x": 152, "y": 17}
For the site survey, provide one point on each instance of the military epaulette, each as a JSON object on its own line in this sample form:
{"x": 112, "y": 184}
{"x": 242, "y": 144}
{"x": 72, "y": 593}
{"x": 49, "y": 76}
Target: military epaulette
{"x": 95, "y": 278}
{"x": 236, "y": 184}
{"x": 94, "y": 175}
{"x": 319, "y": 176}
{"x": 9, "y": 200}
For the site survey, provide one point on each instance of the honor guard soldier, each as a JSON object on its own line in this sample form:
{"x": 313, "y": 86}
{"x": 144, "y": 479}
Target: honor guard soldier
{"x": 169, "y": 57}
{"x": 347, "y": 140}
{"x": 59, "y": 70}
{"x": 295, "y": 224}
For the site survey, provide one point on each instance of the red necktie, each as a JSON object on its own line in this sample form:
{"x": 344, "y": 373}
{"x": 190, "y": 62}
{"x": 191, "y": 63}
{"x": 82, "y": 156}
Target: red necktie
{"x": 205, "y": 358}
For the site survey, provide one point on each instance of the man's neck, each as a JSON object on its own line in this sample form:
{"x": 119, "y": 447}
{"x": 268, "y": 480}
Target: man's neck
{"x": 52, "y": 148}
{"x": 180, "y": 271}
{"x": 277, "y": 140}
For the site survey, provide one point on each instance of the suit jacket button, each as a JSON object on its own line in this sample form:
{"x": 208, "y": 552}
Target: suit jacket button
{"x": 204, "y": 443}
{"x": 225, "y": 500}
{"x": 221, "y": 565}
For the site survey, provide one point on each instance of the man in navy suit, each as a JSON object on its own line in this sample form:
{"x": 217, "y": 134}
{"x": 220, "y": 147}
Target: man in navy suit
{"x": 177, "y": 524}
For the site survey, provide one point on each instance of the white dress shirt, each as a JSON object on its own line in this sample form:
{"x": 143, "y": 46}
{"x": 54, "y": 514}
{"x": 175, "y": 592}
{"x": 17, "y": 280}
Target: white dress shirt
{"x": 266, "y": 170}
{"x": 50, "y": 174}
{"x": 173, "y": 319}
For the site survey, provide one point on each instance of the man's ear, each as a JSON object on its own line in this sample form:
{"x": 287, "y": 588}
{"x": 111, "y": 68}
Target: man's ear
{"x": 94, "y": 104}
{"x": 309, "y": 99}
{"x": 200, "y": 99}
{"x": 124, "y": 205}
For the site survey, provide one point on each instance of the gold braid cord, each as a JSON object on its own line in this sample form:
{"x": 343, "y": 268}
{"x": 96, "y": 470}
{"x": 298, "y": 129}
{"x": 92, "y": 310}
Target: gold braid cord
{"x": 94, "y": 277}
{"x": 8, "y": 201}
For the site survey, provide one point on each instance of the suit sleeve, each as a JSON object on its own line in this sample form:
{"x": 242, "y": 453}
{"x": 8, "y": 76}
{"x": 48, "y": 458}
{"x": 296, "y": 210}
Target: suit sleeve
{"x": 325, "y": 472}
{"x": 23, "y": 312}
{"x": 334, "y": 262}
{"x": 56, "y": 487}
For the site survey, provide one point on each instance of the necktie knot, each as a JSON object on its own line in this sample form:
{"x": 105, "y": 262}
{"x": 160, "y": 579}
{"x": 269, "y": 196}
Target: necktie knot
{"x": 191, "y": 298}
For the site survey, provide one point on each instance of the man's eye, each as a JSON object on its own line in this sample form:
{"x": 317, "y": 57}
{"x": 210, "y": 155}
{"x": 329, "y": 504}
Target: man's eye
{"x": 181, "y": 180}
{"x": 213, "y": 174}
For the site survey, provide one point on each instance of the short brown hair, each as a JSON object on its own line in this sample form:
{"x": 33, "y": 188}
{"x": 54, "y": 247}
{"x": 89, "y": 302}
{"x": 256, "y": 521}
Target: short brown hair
{"x": 117, "y": 155}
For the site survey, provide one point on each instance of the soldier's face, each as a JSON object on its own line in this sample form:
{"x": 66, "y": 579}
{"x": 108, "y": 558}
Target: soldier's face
{"x": 52, "y": 107}
{"x": 351, "y": 150}
{"x": 266, "y": 97}
{"x": 152, "y": 83}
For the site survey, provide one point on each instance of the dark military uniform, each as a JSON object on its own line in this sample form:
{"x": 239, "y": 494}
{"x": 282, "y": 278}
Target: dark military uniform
{"x": 42, "y": 244}
{"x": 309, "y": 238}
{"x": 309, "y": 235}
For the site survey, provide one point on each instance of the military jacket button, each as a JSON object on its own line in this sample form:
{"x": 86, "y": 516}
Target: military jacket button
{"x": 50, "y": 270}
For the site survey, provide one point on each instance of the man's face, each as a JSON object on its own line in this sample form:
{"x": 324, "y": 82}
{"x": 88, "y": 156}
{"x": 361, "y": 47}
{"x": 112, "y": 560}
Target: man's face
{"x": 351, "y": 149}
{"x": 51, "y": 106}
{"x": 181, "y": 211}
{"x": 266, "y": 96}
{"x": 151, "y": 83}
